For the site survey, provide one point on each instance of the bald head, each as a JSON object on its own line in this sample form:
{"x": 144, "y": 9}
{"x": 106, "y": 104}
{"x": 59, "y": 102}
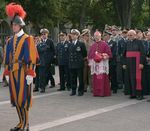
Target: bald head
{"x": 131, "y": 34}
{"x": 97, "y": 36}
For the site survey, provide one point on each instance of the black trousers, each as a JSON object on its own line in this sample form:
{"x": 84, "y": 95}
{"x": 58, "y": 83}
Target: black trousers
{"x": 146, "y": 80}
{"x": 119, "y": 73}
{"x": 42, "y": 77}
{"x": 74, "y": 75}
{"x": 113, "y": 77}
{"x": 64, "y": 76}
{"x": 37, "y": 85}
{"x": 49, "y": 75}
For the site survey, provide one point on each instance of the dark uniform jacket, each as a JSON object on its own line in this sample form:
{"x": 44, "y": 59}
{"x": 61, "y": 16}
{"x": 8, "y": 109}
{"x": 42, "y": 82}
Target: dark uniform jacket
{"x": 62, "y": 53}
{"x": 50, "y": 51}
{"x": 77, "y": 53}
{"x": 113, "y": 46}
{"x": 42, "y": 47}
{"x": 121, "y": 46}
{"x": 146, "y": 46}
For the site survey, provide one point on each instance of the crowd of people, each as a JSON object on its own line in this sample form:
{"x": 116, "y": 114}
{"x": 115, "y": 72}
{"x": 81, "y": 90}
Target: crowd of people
{"x": 76, "y": 54}
{"x": 102, "y": 62}
{"x": 106, "y": 61}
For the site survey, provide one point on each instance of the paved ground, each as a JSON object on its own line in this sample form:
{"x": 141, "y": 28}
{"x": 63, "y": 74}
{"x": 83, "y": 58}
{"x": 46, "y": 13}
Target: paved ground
{"x": 57, "y": 111}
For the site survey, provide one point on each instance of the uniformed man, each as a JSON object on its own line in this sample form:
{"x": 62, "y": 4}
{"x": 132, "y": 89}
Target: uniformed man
{"x": 147, "y": 50}
{"x": 42, "y": 47}
{"x": 112, "y": 61}
{"x": 77, "y": 54}
{"x": 49, "y": 56}
{"x": 146, "y": 70}
{"x": 62, "y": 54}
{"x": 116, "y": 37}
{"x": 121, "y": 47}
{"x": 86, "y": 38}
{"x": 36, "y": 79}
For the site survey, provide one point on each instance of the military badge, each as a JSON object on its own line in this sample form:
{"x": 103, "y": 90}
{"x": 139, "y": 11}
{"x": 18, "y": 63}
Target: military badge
{"x": 78, "y": 49}
{"x": 66, "y": 46}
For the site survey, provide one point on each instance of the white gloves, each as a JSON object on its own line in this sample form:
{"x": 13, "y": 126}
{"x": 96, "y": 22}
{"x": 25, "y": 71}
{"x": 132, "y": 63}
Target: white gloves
{"x": 7, "y": 78}
{"x": 29, "y": 79}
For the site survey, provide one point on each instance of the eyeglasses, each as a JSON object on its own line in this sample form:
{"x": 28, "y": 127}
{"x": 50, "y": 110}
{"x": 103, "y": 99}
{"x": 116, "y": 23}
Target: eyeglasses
{"x": 43, "y": 34}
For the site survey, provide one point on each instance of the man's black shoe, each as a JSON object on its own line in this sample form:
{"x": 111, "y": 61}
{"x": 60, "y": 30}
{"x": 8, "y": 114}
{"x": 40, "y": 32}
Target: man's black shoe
{"x": 85, "y": 90}
{"x": 140, "y": 98}
{"x": 15, "y": 129}
{"x": 52, "y": 86}
{"x": 114, "y": 92}
{"x": 61, "y": 90}
{"x": 73, "y": 94}
{"x": 80, "y": 94}
{"x": 148, "y": 100}
{"x": 42, "y": 91}
{"x": 35, "y": 90}
{"x": 132, "y": 97}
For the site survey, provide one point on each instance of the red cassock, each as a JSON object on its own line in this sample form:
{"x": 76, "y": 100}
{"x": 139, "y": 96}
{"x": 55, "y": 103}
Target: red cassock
{"x": 99, "y": 65}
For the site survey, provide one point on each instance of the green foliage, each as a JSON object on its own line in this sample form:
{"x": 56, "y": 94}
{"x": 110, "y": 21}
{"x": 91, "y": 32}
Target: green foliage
{"x": 103, "y": 13}
{"x": 51, "y": 13}
{"x": 2, "y": 7}
{"x": 141, "y": 19}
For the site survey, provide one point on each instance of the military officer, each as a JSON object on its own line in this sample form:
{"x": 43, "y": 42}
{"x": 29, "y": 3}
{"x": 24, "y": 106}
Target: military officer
{"x": 42, "y": 47}
{"x": 86, "y": 38}
{"x": 62, "y": 53}
{"x": 112, "y": 61}
{"x": 49, "y": 55}
{"x": 77, "y": 54}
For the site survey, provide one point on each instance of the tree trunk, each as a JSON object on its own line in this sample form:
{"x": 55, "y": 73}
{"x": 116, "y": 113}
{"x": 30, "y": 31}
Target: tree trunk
{"x": 123, "y": 8}
{"x": 82, "y": 17}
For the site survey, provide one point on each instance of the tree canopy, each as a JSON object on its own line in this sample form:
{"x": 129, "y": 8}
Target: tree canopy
{"x": 51, "y": 13}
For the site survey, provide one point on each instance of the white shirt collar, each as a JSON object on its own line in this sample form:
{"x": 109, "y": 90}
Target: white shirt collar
{"x": 109, "y": 40}
{"x": 44, "y": 40}
{"x": 75, "y": 42}
{"x": 62, "y": 42}
{"x": 20, "y": 33}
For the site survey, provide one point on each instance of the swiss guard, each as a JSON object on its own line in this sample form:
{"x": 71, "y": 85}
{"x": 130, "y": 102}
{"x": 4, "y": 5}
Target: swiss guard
{"x": 21, "y": 56}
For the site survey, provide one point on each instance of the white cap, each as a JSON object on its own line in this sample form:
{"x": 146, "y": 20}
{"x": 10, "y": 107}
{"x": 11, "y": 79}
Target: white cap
{"x": 75, "y": 31}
